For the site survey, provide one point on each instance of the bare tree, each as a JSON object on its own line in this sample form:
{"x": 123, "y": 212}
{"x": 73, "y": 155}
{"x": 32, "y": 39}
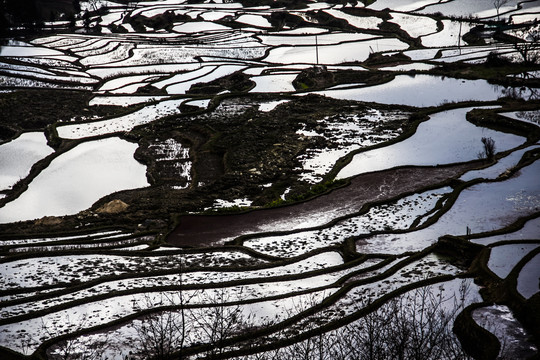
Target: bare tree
{"x": 74, "y": 348}
{"x": 417, "y": 325}
{"x": 96, "y": 4}
{"x": 488, "y": 151}
{"x": 498, "y": 4}
{"x": 219, "y": 322}
{"x": 161, "y": 334}
{"x": 164, "y": 333}
{"x": 529, "y": 48}
{"x": 132, "y": 5}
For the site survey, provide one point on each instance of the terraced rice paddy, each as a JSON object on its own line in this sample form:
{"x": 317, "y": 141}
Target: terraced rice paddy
{"x": 263, "y": 182}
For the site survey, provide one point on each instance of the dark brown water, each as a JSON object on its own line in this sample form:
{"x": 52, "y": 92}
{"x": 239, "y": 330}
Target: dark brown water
{"x": 197, "y": 230}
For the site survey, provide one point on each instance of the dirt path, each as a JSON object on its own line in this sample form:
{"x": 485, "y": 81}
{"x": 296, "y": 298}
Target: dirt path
{"x": 200, "y": 230}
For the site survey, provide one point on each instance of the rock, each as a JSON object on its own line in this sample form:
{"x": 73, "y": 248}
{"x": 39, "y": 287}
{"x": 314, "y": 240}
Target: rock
{"x": 113, "y": 207}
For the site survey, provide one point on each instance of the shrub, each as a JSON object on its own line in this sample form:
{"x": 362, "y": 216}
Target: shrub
{"x": 489, "y": 149}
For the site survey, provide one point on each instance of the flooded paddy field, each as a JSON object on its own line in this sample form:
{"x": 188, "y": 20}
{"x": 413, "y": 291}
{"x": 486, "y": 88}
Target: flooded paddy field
{"x": 270, "y": 180}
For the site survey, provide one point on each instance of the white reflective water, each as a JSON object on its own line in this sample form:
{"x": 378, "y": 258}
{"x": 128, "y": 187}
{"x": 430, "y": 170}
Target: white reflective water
{"x": 466, "y": 8}
{"x": 529, "y": 278}
{"x": 124, "y": 100}
{"x": 78, "y": 178}
{"x": 278, "y": 39}
{"x": 449, "y": 36}
{"x": 364, "y": 22}
{"x": 401, "y": 5}
{"x": 503, "y": 258}
{"x": 421, "y": 90}
{"x": 504, "y": 164}
{"x": 532, "y": 117}
{"x": 447, "y": 137}
{"x": 18, "y": 156}
{"x": 122, "y": 123}
{"x": 273, "y": 83}
{"x": 483, "y": 207}
{"x": 514, "y": 338}
{"x": 332, "y": 54}
{"x": 530, "y": 230}
{"x": 415, "y": 26}
{"x": 27, "y": 50}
